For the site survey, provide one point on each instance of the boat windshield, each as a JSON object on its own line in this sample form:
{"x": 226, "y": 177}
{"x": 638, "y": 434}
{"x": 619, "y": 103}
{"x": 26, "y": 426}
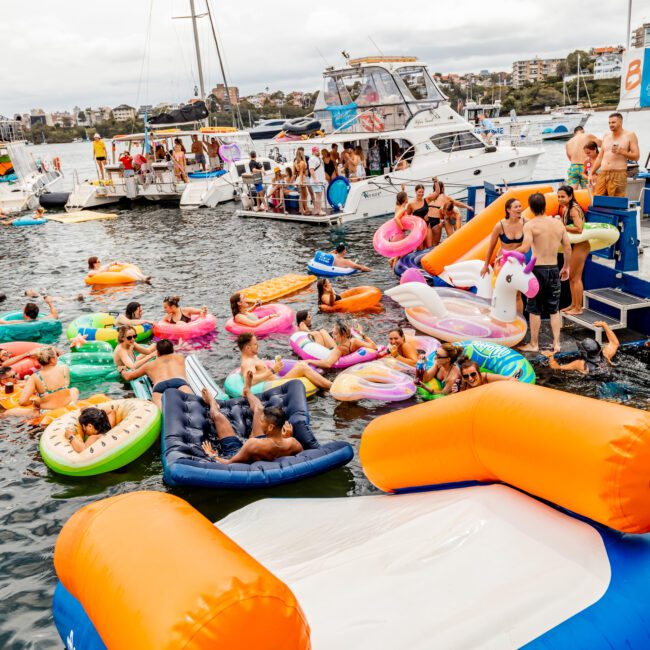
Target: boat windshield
{"x": 417, "y": 86}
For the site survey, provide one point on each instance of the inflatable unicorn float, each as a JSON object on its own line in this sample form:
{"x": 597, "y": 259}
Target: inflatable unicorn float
{"x": 456, "y": 315}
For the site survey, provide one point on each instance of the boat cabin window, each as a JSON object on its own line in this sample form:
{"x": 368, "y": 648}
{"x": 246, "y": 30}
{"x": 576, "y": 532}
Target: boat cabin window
{"x": 417, "y": 85}
{"x": 368, "y": 86}
{"x": 456, "y": 141}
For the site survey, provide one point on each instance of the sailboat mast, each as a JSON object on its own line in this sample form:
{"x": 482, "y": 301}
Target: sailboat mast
{"x": 198, "y": 49}
{"x": 578, "y": 82}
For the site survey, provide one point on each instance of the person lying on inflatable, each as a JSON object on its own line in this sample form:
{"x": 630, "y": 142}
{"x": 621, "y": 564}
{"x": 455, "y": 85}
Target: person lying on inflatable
{"x": 343, "y": 262}
{"x": 345, "y": 343}
{"x": 93, "y": 424}
{"x": 322, "y": 336}
{"x": 242, "y": 311}
{"x": 249, "y": 345}
{"x": 95, "y": 266}
{"x": 32, "y": 310}
{"x": 472, "y": 377}
{"x": 271, "y": 436}
{"x": 594, "y": 360}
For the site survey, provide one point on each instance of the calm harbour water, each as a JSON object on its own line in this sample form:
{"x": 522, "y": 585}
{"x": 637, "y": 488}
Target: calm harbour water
{"x": 203, "y": 256}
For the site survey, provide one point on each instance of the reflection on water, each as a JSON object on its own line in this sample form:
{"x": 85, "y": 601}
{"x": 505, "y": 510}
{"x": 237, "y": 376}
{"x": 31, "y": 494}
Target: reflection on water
{"x": 204, "y": 256}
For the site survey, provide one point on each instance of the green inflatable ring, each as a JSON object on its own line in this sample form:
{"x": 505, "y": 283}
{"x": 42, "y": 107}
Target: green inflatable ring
{"x": 43, "y": 329}
{"x": 89, "y": 366}
{"x": 433, "y": 385}
{"x": 93, "y": 346}
{"x": 138, "y": 427}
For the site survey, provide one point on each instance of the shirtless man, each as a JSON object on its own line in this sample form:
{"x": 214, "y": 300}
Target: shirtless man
{"x": 271, "y": 436}
{"x": 248, "y": 345}
{"x": 575, "y": 152}
{"x": 167, "y": 371}
{"x": 342, "y": 261}
{"x": 213, "y": 154}
{"x": 198, "y": 149}
{"x": 545, "y": 235}
{"x": 619, "y": 146}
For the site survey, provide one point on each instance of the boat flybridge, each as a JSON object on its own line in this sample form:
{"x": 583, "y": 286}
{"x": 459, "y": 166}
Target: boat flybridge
{"x": 23, "y": 178}
{"x": 395, "y": 102}
{"x": 157, "y": 177}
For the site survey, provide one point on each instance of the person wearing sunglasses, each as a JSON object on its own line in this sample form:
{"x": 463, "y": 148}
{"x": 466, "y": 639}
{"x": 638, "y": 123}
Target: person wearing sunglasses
{"x": 444, "y": 369}
{"x": 124, "y": 354}
{"x": 472, "y": 377}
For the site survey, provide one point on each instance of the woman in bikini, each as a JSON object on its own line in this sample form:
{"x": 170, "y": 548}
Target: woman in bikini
{"x": 326, "y": 294}
{"x": 301, "y": 174}
{"x": 510, "y": 232}
{"x": 444, "y": 368}
{"x": 242, "y": 311}
{"x": 345, "y": 343}
{"x": 573, "y": 218}
{"x": 174, "y": 314}
{"x": 124, "y": 354}
{"x": 322, "y": 336}
{"x": 132, "y": 316}
{"x": 180, "y": 161}
{"x": 49, "y": 387}
{"x": 401, "y": 348}
{"x": 436, "y": 209}
{"x": 472, "y": 377}
{"x": 419, "y": 207}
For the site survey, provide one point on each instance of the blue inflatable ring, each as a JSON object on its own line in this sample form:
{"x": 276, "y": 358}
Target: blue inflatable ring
{"x": 337, "y": 192}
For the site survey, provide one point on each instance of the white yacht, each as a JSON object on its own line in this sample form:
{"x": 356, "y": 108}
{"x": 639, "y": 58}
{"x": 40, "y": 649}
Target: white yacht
{"x": 555, "y": 125}
{"x": 158, "y": 180}
{"x": 23, "y": 178}
{"x": 395, "y": 101}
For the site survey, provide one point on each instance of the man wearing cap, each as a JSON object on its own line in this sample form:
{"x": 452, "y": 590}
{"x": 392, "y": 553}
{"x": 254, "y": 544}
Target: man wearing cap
{"x": 99, "y": 151}
{"x": 317, "y": 176}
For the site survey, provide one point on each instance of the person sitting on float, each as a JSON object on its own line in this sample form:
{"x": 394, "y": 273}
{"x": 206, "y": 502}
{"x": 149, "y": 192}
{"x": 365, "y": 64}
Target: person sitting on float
{"x": 95, "y": 266}
{"x": 343, "y": 262}
{"x": 400, "y": 348}
{"x": 444, "y": 368}
{"x": 49, "y": 387}
{"x": 345, "y": 343}
{"x": 132, "y": 316}
{"x": 94, "y": 423}
{"x": 271, "y": 436}
{"x": 127, "y": 346}
{"x": 174, "y": 314}
{"x": 472, "y": 377}
{"x": 31, "y": 312}
{"x": 594, "y": 359}
{"x": 326, "y": 294}
{"x": 322, "y": 336}
{"x": 242, "y": 311}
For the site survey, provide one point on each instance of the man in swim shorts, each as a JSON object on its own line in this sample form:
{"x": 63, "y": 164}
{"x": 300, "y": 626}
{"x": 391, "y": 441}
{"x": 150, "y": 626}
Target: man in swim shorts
{"x": 545, "y": 235}
{"x": 167, "y": 371}
{"x": 198, "y": 149}
{"x": 271, "y": 436}
{"x": 343, "y": 262}
{"x": 249, "y": 346}
{"x": 619, "y": 146}
{"x": 575, "y": 152}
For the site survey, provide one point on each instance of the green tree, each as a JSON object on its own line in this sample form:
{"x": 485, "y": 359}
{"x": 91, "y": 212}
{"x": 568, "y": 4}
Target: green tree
{"x": 586, "y": 64}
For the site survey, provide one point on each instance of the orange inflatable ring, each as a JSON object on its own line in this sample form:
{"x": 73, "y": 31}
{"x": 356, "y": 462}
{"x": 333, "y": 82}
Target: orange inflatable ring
{"x": 589, "y": 456}
{"x": 116, "y": 274}
{"x": 178, "y": 583}
{"x": 27, "y": 365}
{"x": 357, "y": 299}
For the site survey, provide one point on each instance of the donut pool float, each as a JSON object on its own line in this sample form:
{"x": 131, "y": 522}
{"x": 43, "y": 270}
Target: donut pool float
{"x": 281, "y": 323}
{"x": 234, "y": 384}
{"x": 27, "y": 365}
{"x": 137, "y": 428}
{"x": 100, "y": 326}
{"x": 198, "y": 326}
{"x": 374, "y": 381}
{"x": 322, "y": 264}
{"x": 90, "y": 366}
{"x": 307, "y": 349}
{"x": 356, "y": 299}
{"x": 44, "y": 327}
{"x": 116, "y": 274}
{"x": 390, "y": 241}
{"x": 599, "y": 235}
{"x": 426, "y": 345}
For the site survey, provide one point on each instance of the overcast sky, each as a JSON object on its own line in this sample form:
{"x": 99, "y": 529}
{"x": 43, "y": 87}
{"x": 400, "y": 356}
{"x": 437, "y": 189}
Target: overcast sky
{"x": 60, "y": 54}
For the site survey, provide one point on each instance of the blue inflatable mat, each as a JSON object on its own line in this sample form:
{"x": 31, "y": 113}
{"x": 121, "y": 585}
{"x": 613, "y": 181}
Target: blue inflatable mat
{"x": 186, "y": 423}
{"x": 214, "y": 174}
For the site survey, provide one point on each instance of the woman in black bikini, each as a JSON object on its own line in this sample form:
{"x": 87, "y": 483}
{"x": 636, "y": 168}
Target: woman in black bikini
{"x": 174, "y": 314}
{"x": 510, "y": 232}
{"x": 437, "y": 220}
{"x": 419, "y": 207}
{"x": 326, "y": 293}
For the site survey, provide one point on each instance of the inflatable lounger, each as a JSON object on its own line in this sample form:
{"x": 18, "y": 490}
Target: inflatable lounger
{"x": 186, "y": 423}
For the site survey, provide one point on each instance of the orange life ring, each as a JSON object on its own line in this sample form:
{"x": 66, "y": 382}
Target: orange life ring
{"x": 371, "y": 122}
{"x": 56, "y": 162}
{"x": 357, "y": 299}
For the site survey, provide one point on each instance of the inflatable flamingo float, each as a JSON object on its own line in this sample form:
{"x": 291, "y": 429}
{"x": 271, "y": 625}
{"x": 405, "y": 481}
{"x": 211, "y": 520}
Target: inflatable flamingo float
{"x": 455, "y": 315}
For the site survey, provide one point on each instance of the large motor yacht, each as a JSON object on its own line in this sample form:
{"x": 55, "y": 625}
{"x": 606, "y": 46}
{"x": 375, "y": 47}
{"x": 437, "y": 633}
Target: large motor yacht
{"x": 395, "y": 101}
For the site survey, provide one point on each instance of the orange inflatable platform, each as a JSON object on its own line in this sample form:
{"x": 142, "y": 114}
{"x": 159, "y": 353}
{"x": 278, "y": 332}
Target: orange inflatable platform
{"x": 356, "y": 299}
{"x": 589, "y": 456}
{"x": 180, "y": 582}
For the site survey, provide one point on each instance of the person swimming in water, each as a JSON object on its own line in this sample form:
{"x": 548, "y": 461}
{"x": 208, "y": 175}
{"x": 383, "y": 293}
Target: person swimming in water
{"x": 132, "y": 316}
{"x": 594, "y": 360}
{"x": 472, "y": 377}
{"x": 402, "y": 348}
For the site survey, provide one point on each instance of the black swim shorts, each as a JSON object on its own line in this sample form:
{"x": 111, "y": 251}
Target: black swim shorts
{"x": 547, "y": 300}
{"x": 229, "y": 446}
{"x": 162, "y": 386}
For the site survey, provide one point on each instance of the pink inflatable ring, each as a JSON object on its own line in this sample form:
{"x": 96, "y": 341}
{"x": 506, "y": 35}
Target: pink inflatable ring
{"x": 281, "y": 323}
{"x": 390, "y": 241}
{"x": 307, "y": 349}
{"x": 198, "y": 326}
